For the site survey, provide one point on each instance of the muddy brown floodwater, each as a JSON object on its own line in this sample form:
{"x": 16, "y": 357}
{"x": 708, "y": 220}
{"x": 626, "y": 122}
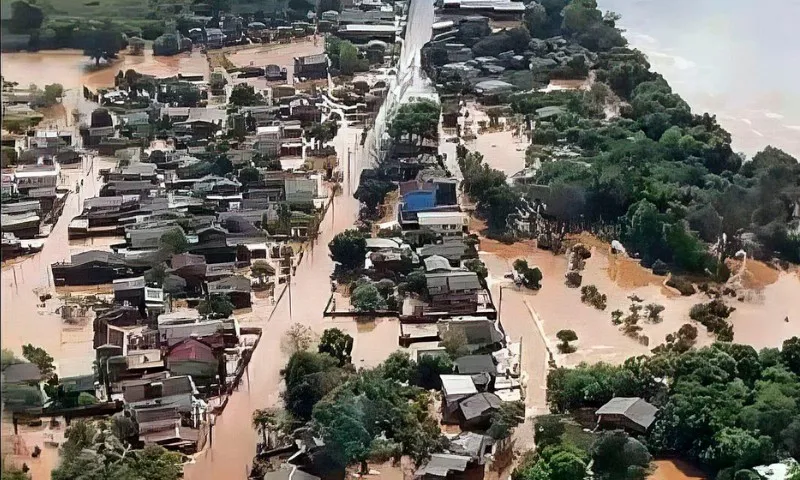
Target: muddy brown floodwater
{"x": 758, "y": 321}
{"x": 234, "y": 439}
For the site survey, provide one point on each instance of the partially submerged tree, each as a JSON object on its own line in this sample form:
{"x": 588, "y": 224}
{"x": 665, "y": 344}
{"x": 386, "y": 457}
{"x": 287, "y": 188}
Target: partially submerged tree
{"x": 349, "y": 249}
{"x": 367, "y": 298}
{"x": 566, "y": 336}
{"x": 337, "y": 344}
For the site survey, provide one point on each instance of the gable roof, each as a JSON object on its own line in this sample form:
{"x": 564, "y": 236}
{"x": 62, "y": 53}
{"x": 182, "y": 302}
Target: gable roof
{"x": 441, "y": 464}
{"x": 633, "y": 408}
{"x": 479, "y": 404}
{"x": 96, "y": 256}
{"x": 235, "y": 283}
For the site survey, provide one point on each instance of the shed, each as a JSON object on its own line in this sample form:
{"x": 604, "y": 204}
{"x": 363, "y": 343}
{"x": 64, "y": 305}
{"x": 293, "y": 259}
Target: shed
{"x": 441, "y": 465}
{"x": 631, "y": 413}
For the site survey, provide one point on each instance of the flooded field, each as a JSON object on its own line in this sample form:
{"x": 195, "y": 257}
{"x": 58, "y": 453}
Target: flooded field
{"x": 759, "y": 321}
{"x": 72, "y": 69}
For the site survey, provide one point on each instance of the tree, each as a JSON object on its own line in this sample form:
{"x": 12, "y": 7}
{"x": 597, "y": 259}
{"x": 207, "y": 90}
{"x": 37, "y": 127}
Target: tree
{"x": 477, "y": 266}
{"x": 454, "y": 341}
{"x": 244, "y": 95}
{"x": 265, "y": 421}
{"x": 322, "y": 132}
{"x": 498, "y": 203}
{"x": 215, "y": 306}
{"x": 367, "y": 298}
{"x": 261, "y": 269}
{"x": 249, "y": 176}
{"x": 327, "y": 5}
{"x": 416, "y": 119}
{"x": 566, "y": 336}
{"x": 566, "y": 465}
{"x": 790, "y": 354}
{"x": 348, "y": 58}
{"x": 39, "y": 357}
{"x": 93, "y": 451}
{"x": 548, "y": 430}
{"x": 174, "y": 241}
{"x": 102, "y": 43}
{"x": 25, "y": 17}
{"x": 505, "y": 419}
{"x": 298, "y": 338}
{"x": 349, "y": 249}
{"x": 399, "y": 367}
{"x": 617, "y": 456}
{"x": 309, "y": 376}
{"x": 372, "y": 192}
{"x": 531, "y": 277}
{"x": 337, "y": 344}
{"x": 10, "y": 472}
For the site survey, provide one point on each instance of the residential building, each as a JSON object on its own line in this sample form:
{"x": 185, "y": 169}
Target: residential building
{"x": 446, "y": 224}
{"x": 176, "y": 391}
{"x": 311, "y": 67}
{"x": 630, "y": 413}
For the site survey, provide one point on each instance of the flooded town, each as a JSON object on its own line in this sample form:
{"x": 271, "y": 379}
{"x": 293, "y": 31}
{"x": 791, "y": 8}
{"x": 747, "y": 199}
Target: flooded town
{"x": 388, "y": 239}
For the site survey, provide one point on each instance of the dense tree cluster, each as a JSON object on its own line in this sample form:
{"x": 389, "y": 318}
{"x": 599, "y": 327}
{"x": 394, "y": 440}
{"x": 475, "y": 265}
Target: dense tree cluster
{"x": 100, "y": 450}
{"x": 668, "y": 176}
{"x": 726, "y": 406}
{"x": 416, "y": 121}
{"x": 488, "y": 188}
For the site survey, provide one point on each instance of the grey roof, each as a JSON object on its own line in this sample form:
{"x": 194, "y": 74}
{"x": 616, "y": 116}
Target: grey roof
{"x": 479, "y": 405}
{"x": 546, "y": 112}
{"x": 469, "y": 444}
{"x": 494, "y": 86}
{"x": 96, "y": 256}
{"x": 123, "y": 284}
{"x": 435, "y": 262}
{"x": 441, "y": 464}
{"x": 450, "y": 250}
{"x": 235, "y": 283}
{"x": 149, "y": 237}
{"x": 442, "y": 283}
{"x": 472, "y": 364}
{"x": 633, "y": 408}
{"x": 22, "y": 373}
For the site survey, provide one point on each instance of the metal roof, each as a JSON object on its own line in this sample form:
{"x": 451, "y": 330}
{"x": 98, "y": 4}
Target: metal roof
{"x": 633, "y": 408}
{"x": 478, "y": 405}
{"x": 441, "y": 464}
{"x": 457, "y": 385}
{"x": 472, "y": 364}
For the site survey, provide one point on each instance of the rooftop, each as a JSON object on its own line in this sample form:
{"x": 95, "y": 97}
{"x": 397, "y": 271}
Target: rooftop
{"x": 633, "y": 408}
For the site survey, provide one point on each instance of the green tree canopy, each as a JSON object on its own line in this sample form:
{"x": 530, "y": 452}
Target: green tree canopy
{"x": 349, "y": 249}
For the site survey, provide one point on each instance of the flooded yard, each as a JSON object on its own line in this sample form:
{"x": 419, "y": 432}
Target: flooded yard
{"x": 675, "y": 470}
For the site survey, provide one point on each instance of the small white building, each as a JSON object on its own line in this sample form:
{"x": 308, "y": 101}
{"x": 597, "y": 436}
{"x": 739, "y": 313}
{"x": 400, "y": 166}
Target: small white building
{"x": 446, "y": 224}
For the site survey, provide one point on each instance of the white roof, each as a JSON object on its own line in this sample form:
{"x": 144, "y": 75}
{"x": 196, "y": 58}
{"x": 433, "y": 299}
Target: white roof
{"x": 426, "y": 218}
{"x": 22, "y": 173}
{"x": 458, "y": 385}
{"x": 368, "y": 28}
{"x": 268, "y": 129}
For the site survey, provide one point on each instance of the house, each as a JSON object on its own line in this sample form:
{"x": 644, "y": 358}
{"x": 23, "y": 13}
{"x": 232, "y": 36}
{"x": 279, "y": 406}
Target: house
{"x": 94, "y": 267}
{"x": 448, "y": 285}
{"x": 195, "y": 357}
{"x": 237, "y": 288}
{"x": 301, "y": 189}
{"x": 362, "y": 32}
{"x": 480, "y": 331}
{"x": 174, "y": 332}
{"x": 20, "y": 387}
{"x": 454, "y": 389}
{"x": 268, "y": 140}
{"x": 176, "y": 391}
{"x": 446, "y": 224}
{"x": 443, "y": 465}
{"x": 29, "y": 177}
{"x": 129, "y": 291}
{"x": 161, "y": 425}
{"x": 630, "y": 413}
{"x": 476, "y": 446}
{"x": 275, "y": 73}
{"x": 215, "y": 38}
{"x": 311, "y": 67}
{"x": 475, "y": 411}
{"x": 417, "y": 198}
{"x": 475, "y": 364}
{"x": 454, "y": 250}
